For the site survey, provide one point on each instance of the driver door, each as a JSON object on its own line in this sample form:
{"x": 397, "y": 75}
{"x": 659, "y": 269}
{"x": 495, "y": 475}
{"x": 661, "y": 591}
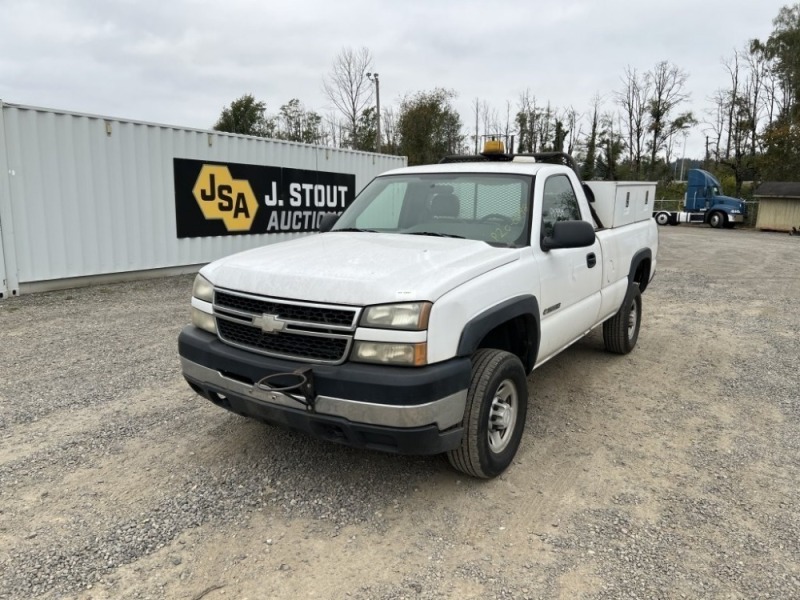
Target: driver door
{"x": 570, "y": 278}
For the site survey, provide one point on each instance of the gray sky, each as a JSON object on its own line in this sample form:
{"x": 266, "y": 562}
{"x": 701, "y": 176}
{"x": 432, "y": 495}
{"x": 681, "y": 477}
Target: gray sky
{"x": 180, "y": 61}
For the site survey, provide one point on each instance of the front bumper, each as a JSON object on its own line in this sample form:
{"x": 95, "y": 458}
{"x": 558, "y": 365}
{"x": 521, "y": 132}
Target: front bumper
{"x": 395, "y": 409}
{"x": 736, "y": 218}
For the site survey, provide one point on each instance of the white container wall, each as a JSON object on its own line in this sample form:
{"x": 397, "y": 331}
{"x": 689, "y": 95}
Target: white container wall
{"x": 84, "y": 195}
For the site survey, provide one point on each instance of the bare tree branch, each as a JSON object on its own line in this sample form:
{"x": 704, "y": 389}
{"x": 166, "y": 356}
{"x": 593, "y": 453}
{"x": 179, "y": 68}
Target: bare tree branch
{"x": 633, "y": 100}
{"x": 348, "y": 88}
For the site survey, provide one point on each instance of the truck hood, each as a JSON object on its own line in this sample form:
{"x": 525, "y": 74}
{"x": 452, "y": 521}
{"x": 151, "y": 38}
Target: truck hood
{"x": 734, "y": 202}
{"x": 358, "y": 268}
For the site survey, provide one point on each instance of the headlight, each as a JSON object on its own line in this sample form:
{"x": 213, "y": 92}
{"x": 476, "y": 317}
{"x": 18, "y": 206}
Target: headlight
{"x": 202, "y": 289}
{"x": 391, "y": 354}
{"x": 203, "y": 320}
{"x": 410, "y": 315}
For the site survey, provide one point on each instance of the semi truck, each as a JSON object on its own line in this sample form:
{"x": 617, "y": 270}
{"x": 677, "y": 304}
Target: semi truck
{"x": 410, "y": 324}
{"x": 704, "y": 202}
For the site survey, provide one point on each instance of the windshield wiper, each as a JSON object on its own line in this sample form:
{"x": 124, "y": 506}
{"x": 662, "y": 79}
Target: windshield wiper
{"x": 356, "y": 229}
{"x": 435, "y": 234}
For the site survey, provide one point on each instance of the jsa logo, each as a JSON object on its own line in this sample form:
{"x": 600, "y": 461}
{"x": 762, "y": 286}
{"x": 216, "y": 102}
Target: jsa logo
{"x": 220, "y": 196}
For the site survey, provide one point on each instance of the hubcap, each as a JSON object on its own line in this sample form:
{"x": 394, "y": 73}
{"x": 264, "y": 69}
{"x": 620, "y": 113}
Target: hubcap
{"x": 502, "y": 416}
{"x": 632, "y": 318}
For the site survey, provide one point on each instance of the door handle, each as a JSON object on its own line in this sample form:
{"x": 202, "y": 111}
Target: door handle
{"x": 591, "y": 260}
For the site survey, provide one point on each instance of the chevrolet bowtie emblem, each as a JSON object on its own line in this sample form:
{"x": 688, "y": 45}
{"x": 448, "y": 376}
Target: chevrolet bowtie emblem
{"x": 269, "y": 323}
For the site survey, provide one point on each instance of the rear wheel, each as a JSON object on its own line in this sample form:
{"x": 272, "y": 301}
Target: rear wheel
{"x": 621, "y": 331}
{"x": 494, "y": 418}
{"x": 716, "y": 220}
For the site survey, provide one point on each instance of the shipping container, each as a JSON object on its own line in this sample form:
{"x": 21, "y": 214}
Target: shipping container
{"x": 86, "y": 198}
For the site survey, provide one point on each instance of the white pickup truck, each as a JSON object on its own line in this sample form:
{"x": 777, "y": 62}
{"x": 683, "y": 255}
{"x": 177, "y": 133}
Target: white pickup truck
{"x": 411, "y": 323}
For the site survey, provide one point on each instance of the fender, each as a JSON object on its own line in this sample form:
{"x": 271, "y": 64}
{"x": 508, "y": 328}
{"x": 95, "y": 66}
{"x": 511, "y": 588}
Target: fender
{"x": 645, "y": 254}
{"x": 477, "y": 328}
{"x": 725, "y": 208}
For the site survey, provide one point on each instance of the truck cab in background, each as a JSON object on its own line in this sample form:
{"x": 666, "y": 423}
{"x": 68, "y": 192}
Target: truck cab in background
{"x": 704, "y": 203}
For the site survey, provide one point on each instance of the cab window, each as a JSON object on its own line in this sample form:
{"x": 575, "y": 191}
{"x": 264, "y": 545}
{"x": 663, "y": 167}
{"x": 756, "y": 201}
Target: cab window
{"x": 559, "y": 203}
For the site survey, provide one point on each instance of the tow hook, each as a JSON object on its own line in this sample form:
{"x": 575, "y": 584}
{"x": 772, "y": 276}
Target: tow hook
{"x": 300, "y": 386}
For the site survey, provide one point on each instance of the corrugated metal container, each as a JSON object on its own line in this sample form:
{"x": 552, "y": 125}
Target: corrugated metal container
{"x": 779, "y": 205}
{"x": 85, "y": 195}
{"x": 778, "y": 214}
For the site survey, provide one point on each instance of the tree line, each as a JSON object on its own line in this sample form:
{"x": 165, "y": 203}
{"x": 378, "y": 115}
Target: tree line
{"x": 752, "y": 125}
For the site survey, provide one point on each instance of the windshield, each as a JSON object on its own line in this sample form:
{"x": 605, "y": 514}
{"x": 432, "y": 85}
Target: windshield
{"x": 492, "y": 208}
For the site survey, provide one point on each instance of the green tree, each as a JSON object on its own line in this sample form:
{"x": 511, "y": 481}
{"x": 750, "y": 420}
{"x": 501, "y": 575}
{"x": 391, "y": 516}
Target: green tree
{"x": 590, "y": 162}
{"x": 611, "y": 146}
{"x": 559, "y": 135}
{"x": 246, "y": 116}
{"x": 363, "y": 137}
{"x": 429, "y": 127}
{"x": 297, "y": 124}
{"x": 783, "y": 47}
{"x": 781, "y": 136}
{"x": 526, "y": 120}
{"x": 781, "y": 160}
{"x": 668, "y": 84}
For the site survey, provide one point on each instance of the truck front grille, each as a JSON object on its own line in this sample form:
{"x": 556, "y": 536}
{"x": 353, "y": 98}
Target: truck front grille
{"x": 308, "y": 313}
{"x": 287, "y": 345}
{"x": 303, "y": 331}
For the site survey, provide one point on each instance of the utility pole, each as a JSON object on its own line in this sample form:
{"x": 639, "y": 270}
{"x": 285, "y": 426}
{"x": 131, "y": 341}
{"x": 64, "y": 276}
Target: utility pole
{"x": 683, "y": 157}
{"x": 374, "y": 77}
{"x": 477, "y": 110}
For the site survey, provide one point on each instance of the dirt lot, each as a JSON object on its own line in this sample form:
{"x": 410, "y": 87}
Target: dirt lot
{"x": 672, "y": 472}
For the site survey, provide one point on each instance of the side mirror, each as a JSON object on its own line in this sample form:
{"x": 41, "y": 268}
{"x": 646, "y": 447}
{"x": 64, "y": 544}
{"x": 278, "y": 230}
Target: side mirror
{"x": 569, "y": 234}
{"x": 327, "y": 222}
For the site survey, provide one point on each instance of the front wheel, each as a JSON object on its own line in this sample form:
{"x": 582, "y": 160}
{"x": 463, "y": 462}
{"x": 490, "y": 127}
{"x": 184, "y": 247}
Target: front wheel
{"x": 716, "y": 220}
{"x": 621, "y": 331}
{"x": 494, "y": 418}
{"x": 662, "y": 218}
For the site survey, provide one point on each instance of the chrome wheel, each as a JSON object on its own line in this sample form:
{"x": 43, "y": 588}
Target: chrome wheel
{"x": 502, "y": 416}
{"x": 621, "y": 331}
{"x": 633, "y": 317}
{"x": 494, "y": 417}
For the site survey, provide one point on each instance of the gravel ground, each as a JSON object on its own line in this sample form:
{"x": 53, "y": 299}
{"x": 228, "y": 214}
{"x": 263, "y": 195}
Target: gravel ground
{"x": 671, "y": 472}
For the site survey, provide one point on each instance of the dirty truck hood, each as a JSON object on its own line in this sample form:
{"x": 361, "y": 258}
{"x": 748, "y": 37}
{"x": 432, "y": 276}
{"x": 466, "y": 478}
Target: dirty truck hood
{"x": 358, "y": 268}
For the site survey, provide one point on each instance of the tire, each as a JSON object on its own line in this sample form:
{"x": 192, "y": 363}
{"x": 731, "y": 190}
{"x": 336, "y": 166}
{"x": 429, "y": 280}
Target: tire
{"x": 662, "y": 218}
{"x": 494, "y": 417}
{"x": 716, "y": 220}
{"x": 621, "y": 331}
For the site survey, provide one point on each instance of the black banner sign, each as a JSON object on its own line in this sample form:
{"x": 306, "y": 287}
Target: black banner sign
{"x": 213, "y": 198}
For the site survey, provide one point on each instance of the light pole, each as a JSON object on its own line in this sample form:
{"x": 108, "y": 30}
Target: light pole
{"x": 374, "y": 77}
{"x": 683, "y": 158}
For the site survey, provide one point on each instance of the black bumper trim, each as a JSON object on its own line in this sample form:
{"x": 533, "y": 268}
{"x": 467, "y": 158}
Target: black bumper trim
{"x": 400, "y": 386}
{"x": 412, "y": 440}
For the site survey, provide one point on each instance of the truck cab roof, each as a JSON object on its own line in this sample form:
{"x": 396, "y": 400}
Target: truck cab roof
{"x": 701, "y": 178}
{"x": 509, "y": 167}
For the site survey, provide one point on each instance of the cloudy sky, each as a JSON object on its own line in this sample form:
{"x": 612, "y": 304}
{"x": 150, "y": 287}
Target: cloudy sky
{"x": 181, "y": 61}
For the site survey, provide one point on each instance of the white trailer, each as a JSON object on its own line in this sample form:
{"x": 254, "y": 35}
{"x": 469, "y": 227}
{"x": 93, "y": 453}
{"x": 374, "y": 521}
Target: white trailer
{"x": 88, "y": 198}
